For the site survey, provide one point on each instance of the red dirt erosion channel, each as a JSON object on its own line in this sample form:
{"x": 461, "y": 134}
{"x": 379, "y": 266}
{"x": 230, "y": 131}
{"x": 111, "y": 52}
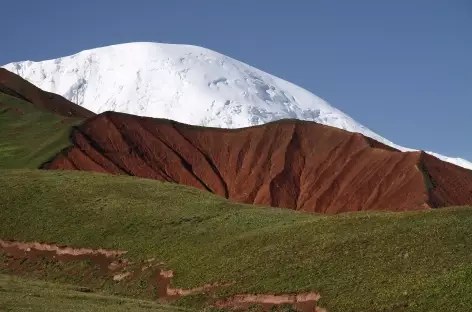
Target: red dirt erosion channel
{"x": 21, "y": 258}
{"x": 290, "y": 164}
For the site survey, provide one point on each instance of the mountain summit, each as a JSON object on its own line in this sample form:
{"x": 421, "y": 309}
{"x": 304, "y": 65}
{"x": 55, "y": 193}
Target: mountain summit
{"x": 188, "y": 84}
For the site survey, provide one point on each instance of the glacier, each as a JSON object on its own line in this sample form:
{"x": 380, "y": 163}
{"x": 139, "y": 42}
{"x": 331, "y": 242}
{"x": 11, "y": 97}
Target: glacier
{"x": 186, "y": 83}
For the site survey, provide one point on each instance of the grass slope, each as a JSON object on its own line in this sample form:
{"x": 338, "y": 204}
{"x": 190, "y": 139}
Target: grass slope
{"x": 417, "y": 261}
{"x": 19, "y": 294}
{"x": 30, "y": 136}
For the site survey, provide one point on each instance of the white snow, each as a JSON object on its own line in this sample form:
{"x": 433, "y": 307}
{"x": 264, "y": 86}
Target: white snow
{"x": 185, "y": 83}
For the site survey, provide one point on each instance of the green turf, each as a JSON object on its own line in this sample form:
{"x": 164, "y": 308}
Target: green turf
{"x": 416, "y": 261}
{"x": 20, "y": 294}
{"x": 30, "y": 136}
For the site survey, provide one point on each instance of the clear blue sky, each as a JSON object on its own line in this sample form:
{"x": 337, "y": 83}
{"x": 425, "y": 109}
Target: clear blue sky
{"x": 403, "y": 68}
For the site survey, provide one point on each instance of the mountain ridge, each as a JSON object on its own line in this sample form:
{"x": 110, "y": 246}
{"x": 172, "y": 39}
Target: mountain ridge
{"x": 15, "y": 86}
{"x": 293, "y": 164}
{"x": 185, "y": 83}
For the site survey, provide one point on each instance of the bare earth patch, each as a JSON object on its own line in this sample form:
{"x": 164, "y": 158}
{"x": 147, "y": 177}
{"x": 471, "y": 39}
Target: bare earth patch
{"x": 60, "y": 250}
{"x": 119, "y": 270}
{"x": 306, "y": 302}
{"x": 288, "y": 164}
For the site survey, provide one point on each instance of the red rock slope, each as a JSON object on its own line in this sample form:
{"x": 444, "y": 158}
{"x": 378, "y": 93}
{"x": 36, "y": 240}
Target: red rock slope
{"x": 292, "y": 164}
{"x": 16, "y": 86}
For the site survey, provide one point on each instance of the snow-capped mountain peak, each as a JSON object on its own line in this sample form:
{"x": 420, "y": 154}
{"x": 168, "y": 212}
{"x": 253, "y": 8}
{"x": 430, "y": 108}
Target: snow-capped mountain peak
{"x": 185, "y": 83}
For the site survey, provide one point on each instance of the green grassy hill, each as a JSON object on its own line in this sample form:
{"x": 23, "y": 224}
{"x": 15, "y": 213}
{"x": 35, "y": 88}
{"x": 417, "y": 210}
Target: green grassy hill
{"x": 30, "y": 136}
{"x": 416, "y": 261}
{"x": 19, "y": 294}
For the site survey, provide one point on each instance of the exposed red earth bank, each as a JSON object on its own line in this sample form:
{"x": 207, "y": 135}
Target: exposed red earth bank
{"x": 18, "y": 87}
{"x": 291, "y": 164}
{"x": 111, "y": 264}
{"x": 24, "y": 257}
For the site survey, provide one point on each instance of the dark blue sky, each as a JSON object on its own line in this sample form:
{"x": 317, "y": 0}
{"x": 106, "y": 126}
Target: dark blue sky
{"x": 403, "y": 68}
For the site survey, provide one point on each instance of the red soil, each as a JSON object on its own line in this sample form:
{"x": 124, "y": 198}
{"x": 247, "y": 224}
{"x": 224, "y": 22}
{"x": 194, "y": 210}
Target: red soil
{"x": 306, "y": 302}
{"x": 36, "y": 251}
{"x": 59, "y": 250}
{"x": 32, "y": 258}
{"x": 292, "y": 164}
{"x": 16, "y": 86}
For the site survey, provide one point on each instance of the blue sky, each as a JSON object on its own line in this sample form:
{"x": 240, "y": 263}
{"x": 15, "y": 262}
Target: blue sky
{"x": 402, "y": 68}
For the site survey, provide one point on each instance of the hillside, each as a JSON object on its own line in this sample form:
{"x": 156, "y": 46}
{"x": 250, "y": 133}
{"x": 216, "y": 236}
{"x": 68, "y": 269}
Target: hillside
{"x": 34, "y": 124}
{"x": 292, "y": 164}
{"x": 416, "y": 261}
{"x": 20, "y": 294}
{"x": 188, "y": 84}
{"x": 30, "y": 136}
{"x": 17, "y": 87}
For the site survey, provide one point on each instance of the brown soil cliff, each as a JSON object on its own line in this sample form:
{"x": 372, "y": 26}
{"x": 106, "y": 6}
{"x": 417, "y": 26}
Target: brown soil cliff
{"x": 291, "y": 164}
{"x": 16, "y": 86}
